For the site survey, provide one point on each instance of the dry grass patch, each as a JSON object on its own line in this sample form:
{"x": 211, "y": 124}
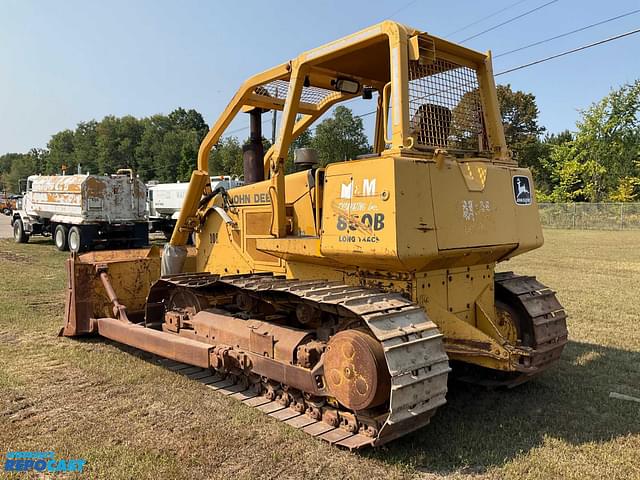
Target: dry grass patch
{"x": 131, "y": 418}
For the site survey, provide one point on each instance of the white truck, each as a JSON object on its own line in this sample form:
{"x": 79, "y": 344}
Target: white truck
{"x": 164, "y": 201}
{"x": 84, "y": 211}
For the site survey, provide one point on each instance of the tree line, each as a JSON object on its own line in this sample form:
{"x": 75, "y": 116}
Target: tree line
{"x": 165, "y": 147}
{"x": 598, "y": 161}
{"x": 162, "y": 147}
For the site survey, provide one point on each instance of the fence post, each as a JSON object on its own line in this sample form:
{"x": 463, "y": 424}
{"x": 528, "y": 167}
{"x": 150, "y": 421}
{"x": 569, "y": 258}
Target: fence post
{"x": 622, "y": 216}
{"x": 574, "y": 215}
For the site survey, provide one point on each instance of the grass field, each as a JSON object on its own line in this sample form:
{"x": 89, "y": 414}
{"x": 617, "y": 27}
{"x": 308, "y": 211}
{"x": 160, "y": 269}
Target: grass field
{"x": 132, "y": 419}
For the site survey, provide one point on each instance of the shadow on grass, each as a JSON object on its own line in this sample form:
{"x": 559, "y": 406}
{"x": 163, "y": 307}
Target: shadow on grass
{"x": 480, "y": 428}
{"x": 39, "y": 241}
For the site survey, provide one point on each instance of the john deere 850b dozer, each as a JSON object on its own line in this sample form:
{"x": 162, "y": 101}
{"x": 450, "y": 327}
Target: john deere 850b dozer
{"x": 335, "y": 298}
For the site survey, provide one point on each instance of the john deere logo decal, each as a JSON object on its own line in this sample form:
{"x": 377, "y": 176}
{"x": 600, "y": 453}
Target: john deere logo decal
{"x": 522, "y": 190}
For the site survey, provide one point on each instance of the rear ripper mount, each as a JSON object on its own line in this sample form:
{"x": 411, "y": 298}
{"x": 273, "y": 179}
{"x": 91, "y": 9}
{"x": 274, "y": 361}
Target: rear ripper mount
{"x": 350, "y": 365}
{"x": 539, "y": 329}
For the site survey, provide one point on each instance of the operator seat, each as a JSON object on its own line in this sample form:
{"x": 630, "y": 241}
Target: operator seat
{"x": 431, "y": 125}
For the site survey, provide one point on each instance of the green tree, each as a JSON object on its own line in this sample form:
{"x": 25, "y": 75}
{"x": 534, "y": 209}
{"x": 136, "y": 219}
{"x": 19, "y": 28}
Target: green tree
{"x": 188, "y": 154}
{"x": 226, "y": 157}
{"x": 521, "y": 129}
{"x": 566, "y": 174}
{"x": 602, "y": 161}
{"x": 544, "y": 174}
{"x": 182, "y": 119}
{"x": 7, "y": 162}
{"x": 192, "y": 129}
{"x": 61, "y": 153}
{"x": 168, "y": 147}
{"x": 147, "y": 152}
{"x": 85, "y": 149}
{"x": 169, "y": 155}
{"x": 161, "y": 147}
{"x": 608, "y": 141}
{"x": 23, "y": 165}
{"x": 340, "y": 137}
{"x": 116, "y": 142}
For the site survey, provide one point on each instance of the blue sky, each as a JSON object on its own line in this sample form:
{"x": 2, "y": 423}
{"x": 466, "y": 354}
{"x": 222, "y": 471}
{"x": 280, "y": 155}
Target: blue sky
{"x": 68, "y": 61}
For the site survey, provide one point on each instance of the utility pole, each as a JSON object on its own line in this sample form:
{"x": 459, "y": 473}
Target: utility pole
{"x": 273, "y": 126}
{"x": 273, "y": 122}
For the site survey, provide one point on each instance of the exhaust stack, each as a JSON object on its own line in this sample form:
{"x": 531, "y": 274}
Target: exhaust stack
{"x": 253, "y": 152}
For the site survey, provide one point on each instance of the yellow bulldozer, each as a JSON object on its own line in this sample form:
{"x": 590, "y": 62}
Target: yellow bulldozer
{"x": 338, "y": 298}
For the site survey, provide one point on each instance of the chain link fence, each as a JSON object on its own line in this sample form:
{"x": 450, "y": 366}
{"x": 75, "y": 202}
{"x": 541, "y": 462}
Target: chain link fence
{"x": 591, "y": 216}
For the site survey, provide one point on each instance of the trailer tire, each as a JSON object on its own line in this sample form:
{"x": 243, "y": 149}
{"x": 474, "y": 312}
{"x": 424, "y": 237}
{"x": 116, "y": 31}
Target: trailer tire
{"x": 6, "y": 211}
{"x": 76, "y": 239}
{"x": 19, "y": 235}
{"x": 61, "y": 237}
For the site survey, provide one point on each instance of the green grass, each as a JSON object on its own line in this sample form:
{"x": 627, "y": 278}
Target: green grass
{"x": 132, "y": 419}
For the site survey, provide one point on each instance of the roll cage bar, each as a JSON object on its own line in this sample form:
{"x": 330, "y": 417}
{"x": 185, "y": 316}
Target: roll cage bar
{"x": 306, "y": 87}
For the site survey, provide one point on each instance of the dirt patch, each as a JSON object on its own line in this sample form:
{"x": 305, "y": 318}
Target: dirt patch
{"x": 9, "y": 338}
{"x": 15, "y": 257}
{"x": 5, "y": 227}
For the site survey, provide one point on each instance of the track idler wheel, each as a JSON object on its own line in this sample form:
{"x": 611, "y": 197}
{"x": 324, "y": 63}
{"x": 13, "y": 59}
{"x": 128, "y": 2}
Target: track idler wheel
{"x": 355, "y": 369}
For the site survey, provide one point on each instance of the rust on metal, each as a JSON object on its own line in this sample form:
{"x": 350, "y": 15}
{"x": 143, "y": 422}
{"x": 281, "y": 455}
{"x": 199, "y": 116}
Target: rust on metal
{"x": 256, "y": 336}
{"x": 119, "y": 310}
{"x": 540, "y": 321}
{"x": 131, "y": 272}
{"x": 356, "y": 371}
{"x": 165, "y": 345}
{"x": 276, "y": 366}
{"x": 475, "y": 344}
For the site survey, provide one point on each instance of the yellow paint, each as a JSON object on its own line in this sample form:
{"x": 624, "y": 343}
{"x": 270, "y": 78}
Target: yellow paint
{"x": 429, "y": 223}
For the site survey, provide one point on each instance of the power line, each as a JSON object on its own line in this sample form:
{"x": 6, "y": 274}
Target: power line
{"x": 562, "y": 35}
{"x": 512, "y": 19}
{"x": 520, "y": 67}
{"x": 401, "y": 9}
{"x": 486, "y": 18}
{"x": 573, "y": 50}
{"x": 562, "y": 54}
{"x": 237, "y": 130}
{"x": 244, "y": 128}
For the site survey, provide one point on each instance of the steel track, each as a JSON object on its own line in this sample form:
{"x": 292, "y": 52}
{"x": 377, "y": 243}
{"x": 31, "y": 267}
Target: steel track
{"x": 543, "y": 315}
{"x": 412, "y": 345}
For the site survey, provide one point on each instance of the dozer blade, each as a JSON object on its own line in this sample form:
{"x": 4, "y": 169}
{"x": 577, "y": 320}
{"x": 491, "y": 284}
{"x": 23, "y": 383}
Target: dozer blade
{"x": 132, "y": 272}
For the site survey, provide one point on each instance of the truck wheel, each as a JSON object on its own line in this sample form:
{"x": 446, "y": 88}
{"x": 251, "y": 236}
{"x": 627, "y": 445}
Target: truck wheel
{"x": 19, "y": 235}
{"x": 6, "y": 211}
{"x": 60, "y": 238}
{"x": 76, "y": 240}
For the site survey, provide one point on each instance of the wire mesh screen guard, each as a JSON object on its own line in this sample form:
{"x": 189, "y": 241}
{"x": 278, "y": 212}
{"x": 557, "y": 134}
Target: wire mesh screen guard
{"x": 280, "y": 88}
{"x": 445, "y": 109}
